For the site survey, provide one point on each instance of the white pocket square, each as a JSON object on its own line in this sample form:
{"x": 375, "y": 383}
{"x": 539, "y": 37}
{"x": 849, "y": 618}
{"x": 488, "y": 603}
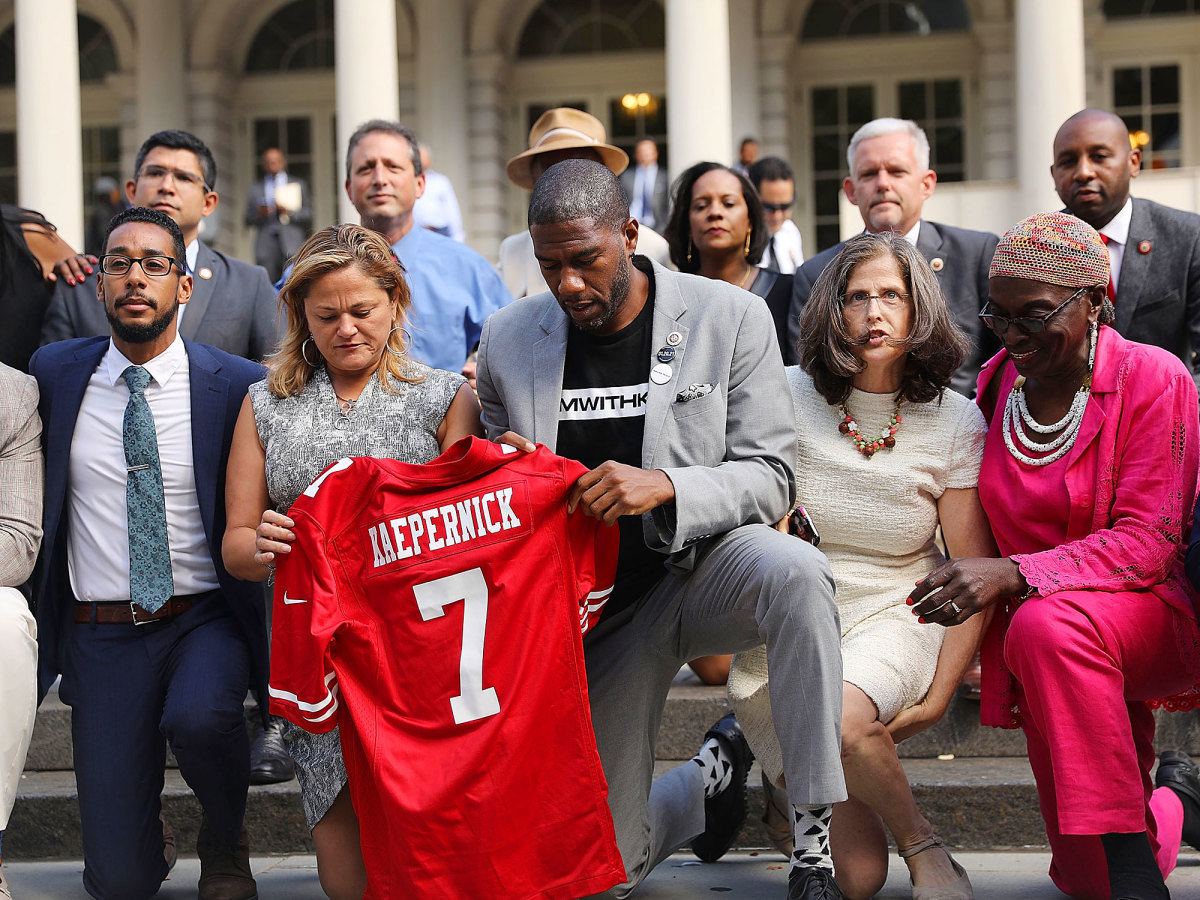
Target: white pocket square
{"x": 693, "y": 391}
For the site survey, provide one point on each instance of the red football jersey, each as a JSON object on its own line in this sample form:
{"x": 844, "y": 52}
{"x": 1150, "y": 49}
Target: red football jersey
{"x": 435, "y": 613}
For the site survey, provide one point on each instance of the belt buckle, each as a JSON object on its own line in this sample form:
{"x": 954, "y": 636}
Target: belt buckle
{"x": 133, "y": 612}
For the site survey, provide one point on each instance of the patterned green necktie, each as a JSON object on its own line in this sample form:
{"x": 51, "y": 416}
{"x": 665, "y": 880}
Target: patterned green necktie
{"x": 150, "y": 581}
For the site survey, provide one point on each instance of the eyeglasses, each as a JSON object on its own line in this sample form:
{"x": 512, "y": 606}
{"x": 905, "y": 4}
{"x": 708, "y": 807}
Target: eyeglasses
{"x": 859, "y": 299}
{"x": 159, "y": 174}
{"x": 1027, "y": 324}
{"x": 154, "y": 266}
{"x": 778, "y": 207}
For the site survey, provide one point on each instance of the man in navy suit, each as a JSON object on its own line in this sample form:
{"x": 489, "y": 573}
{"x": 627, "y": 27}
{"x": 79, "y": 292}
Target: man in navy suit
{"x": 233, "y": 305}
{"x": 151, "y": 635}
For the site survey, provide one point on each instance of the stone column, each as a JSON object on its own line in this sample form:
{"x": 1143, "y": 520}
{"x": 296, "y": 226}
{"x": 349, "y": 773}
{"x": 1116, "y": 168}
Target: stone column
{"x": 487, "y": 188}
{"x": 776, "y": 79}
{"x": 162, "y": 100}
{"x": 1050, "y": 86}
{"x": 49, "y": 132}
{"x": 368, "y": 83}
{"x": 744, "y": 55}
{"x": 208, "y": 98}
{"x": 699, "y": 121}
{"x": 442, "y": 86}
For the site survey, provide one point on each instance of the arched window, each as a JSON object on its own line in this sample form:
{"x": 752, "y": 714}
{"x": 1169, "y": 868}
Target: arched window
{"x": 569, "y": 27}
{"x": 298, "y": 36}
{"x": 860, "y": 18}
{"x": 1128, "y": 9}
{"x": 97, "y": 54}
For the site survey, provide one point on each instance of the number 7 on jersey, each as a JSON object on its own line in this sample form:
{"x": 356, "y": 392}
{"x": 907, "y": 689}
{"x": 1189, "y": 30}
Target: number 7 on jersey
{"x": 474, "y": 701}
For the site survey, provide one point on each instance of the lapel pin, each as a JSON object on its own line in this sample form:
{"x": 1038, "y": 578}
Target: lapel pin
{"x": 661, "y": 373}
{"x": 674, "y": 338}
{"x": 666, "y": 354}
{"x": 1144, "y": 247}
{"x": 205, "y": 273}
{"x": 937, "y": 264}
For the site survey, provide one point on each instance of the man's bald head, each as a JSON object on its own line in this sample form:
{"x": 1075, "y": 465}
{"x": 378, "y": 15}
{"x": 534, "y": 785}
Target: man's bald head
{"x": 1093, "y": 165}
{"x": 578, "y": 189}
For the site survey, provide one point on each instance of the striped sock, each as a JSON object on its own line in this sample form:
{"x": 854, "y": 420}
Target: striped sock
{"x": 812, "y": 837}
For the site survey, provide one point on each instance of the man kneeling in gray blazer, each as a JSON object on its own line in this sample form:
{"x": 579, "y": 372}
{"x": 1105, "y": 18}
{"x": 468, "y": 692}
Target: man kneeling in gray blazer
{"x": 670, "y": 387}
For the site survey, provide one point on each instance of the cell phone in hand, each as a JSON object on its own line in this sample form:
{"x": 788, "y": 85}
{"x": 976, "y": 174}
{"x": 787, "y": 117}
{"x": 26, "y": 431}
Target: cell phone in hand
{"x": 801, "y": 525}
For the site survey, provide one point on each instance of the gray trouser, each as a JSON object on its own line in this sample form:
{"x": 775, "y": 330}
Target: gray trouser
{"x": 753, "y": 586}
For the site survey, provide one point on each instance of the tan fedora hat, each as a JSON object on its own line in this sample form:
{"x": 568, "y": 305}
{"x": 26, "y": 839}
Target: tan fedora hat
{"x": 564, "y": 129}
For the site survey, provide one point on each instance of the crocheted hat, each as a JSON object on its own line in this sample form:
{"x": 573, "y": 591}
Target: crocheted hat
{"x": 1053, "y": 248}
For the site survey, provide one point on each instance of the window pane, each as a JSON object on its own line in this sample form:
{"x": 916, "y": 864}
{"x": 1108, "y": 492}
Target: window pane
{"x": 824, "y": 106}
{"x": 827, "y": 236}
{"x": 948, "y": 146}
{"x": 947, "y": 99}
{"x": 826, "y": 200}
{"x": 1127, "y": 87}
{"x": 827, "y": 153}
{"x": 1164, "y": 132}
{"x": 912, "y": 100}
{"x": 860, "y": 104}
{"x": 299, "y": 136}
{"x": 1164, "y": 84}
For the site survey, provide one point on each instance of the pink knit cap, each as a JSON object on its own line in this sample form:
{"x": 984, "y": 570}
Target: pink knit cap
{"x": 1053, "y": 248}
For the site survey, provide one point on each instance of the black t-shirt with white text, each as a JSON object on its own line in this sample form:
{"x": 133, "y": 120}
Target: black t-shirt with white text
{"x": 602, "y": 416}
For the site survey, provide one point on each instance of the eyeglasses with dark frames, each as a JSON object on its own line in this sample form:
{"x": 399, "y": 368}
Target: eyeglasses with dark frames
{"x": 154, "y": 266}
{"x": 1027, "y": 324}
{"x": 778, "y": 207}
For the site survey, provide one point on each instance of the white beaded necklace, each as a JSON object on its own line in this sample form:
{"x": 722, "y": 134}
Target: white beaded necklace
{"x": 1016, "y": 414}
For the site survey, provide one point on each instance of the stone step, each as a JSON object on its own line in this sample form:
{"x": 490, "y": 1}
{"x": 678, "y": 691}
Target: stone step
{"x": 975, "y": 803}
{"x": 691, "y": 709}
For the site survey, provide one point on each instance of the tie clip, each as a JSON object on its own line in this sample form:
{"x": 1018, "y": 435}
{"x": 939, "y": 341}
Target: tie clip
{"x": 139, "y": 468}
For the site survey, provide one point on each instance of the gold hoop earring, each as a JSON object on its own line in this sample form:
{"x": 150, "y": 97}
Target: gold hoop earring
{"x": 304, "y": 352}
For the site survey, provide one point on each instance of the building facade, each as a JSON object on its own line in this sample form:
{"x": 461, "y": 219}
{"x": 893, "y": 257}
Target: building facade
{"x": 990, "y": 80}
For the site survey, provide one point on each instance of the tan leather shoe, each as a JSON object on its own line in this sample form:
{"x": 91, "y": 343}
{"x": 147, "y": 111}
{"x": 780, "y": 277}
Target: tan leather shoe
{"x": 224, "y": 870}
{"x": 170, "y": 854}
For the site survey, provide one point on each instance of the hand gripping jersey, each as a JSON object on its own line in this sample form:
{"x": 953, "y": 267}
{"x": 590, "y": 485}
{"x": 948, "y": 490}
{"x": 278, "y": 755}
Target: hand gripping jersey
{"x": 435, "y": 612}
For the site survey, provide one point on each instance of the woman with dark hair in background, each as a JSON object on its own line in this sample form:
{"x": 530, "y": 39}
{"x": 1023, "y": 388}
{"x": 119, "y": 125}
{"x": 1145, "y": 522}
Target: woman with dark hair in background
{"x": 718, "y": 229}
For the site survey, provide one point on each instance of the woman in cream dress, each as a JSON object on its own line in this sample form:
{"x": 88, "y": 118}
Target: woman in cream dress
{"x": 886, "y": 453}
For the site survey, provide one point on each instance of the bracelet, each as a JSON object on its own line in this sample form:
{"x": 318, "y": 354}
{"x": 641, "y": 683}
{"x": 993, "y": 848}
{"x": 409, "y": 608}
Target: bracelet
{"x": 1029, "y": 591}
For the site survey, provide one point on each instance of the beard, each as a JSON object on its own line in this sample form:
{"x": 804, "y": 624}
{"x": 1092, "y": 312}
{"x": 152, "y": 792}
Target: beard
{"x": 141, "y": 333}
{"x": 618, "y": 293}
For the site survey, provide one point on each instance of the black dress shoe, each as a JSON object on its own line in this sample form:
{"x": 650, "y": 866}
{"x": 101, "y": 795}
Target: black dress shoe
{"x": 812, "y": 883}
{"x": 269, "y": 760}
{"x": 725, "y": 813}
{"x": 1177, "y": 772}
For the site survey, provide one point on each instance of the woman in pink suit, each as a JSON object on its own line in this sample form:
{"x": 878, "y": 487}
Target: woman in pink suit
{"x": 1088, "y": 480}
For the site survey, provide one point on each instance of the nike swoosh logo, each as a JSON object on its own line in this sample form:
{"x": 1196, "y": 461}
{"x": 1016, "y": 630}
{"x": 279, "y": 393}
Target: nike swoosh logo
{"x": 288, "y": 601}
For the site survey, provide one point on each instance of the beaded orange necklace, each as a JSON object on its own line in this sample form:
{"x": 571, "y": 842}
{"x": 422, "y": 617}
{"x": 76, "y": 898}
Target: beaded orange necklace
{"x": 868, "y": 448}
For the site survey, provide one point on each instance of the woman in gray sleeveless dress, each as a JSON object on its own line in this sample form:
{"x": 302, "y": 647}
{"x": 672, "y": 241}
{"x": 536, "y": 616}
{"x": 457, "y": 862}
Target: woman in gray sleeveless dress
{"x": 339, "y": 386}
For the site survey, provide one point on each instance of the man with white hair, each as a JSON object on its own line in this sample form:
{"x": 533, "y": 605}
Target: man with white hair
{"x": 889, "y": 182}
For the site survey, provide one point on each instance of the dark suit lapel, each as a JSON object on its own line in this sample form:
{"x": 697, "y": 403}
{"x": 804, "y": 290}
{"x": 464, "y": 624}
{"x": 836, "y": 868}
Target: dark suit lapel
{"x": 202, "y": 291}
{"x": 669, "y": 306}
{"x": 1135, "y": 267}
{"x": 210, "y": 399}
{"x": 929, "y": 242}
{"x": 71, "y": 382}
{"x": 549, "y": 357}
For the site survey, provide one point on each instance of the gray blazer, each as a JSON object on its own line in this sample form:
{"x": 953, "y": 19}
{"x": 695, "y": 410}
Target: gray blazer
{"x": 965, "y": 258}
{"x": 1158, "y": 294}
{"x": 235, "y": 309}
{"x": 730, "y": 452}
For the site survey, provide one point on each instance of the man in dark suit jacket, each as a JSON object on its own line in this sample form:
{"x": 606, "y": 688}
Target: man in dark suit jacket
{"x": 233, "y": 305}
{"x": 135, "y": 609}
{"x": 646, "y": 181}
{"x": 1154, "y": 250}
{"x": 281, "y": 229}
{"x": 889, "y": 182}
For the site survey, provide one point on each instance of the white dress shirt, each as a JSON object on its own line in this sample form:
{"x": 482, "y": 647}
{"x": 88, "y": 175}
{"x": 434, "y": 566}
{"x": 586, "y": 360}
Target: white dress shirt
{"x": 1117, "y": 232}
{"x": 98, "y": 520}
{"x": 789, "y": 249}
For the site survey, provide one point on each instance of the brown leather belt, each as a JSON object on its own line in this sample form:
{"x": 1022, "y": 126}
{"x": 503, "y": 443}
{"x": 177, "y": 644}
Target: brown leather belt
{"x": 130, "y": 613}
